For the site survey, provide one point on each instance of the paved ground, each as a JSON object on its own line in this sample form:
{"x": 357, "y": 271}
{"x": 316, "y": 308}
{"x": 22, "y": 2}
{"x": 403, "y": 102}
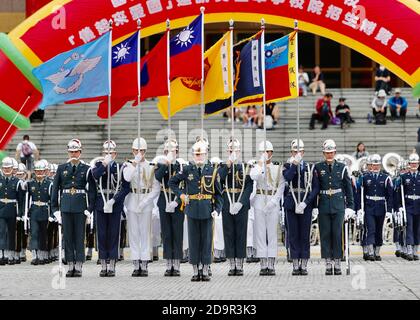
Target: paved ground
{"x": 392, "y": 278}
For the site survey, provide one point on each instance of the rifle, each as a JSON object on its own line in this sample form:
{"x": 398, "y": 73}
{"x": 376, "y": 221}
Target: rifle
{"x": 25, "y": 217}
{"x": 347, "y": 247}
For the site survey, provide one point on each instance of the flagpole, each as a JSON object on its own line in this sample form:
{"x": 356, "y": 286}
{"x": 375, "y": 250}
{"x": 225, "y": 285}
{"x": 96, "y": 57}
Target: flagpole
{"x": 202, "y": 9}
{"x": 138, "y": 101}
{"x": 232, "y": 102}
{"x": 298, "y": 109}
{"x": 264, "y": 102}
{"x": 15, "y": 118}
{"x": 168, "y": 69}
{"x": 109, "y": 103}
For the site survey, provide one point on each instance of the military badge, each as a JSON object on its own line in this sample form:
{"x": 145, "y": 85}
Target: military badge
{"x": 65, "y": 173}
{"x": 191, "y": 177}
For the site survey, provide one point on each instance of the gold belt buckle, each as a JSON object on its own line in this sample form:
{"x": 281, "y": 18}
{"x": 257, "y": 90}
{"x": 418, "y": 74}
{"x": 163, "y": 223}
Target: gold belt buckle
{"x": 73, "y": 191}
{"x": 330, "y": 192}
{"x": 200, "y": 196}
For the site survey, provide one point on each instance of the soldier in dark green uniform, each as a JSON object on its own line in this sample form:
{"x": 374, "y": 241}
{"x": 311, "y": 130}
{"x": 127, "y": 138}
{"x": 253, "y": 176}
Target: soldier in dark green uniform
{"x": 11, "y": 205}
{"x": 335, "y": 202}
{"x": 39, "y": 211}
{"x": 203, "y": 201}
{"x": 237, "y": 188}
{"x": 71, "y": 186}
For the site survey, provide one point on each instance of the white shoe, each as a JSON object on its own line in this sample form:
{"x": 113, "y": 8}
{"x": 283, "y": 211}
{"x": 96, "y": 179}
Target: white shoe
{"x": 229, "y": 120}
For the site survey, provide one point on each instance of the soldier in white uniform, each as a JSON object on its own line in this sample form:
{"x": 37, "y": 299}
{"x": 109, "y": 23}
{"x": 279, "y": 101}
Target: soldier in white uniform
{"x": 270, "y": 188}
{"x": 139, "y": 202}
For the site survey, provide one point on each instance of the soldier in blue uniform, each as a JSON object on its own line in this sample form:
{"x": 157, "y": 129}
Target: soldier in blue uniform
{"x": 112, "y": 189}
{"x": 171, "y": 215}
{"x": 72, "y": 201}
{"x": 397, "y": 224}
{"x": 11, "y": 210}
{"x": 335, "y": 203}
{"x": 21, "y": 235}
{"x": 39, "y": 211}
{"x": 237, "y": 187}
{"x": 299, "y": 207}
{"x": 52, "y": 229}
{"x": 378, "y": 202}
{"x": 409, "y": 207}
{"x": 203, "y": 201}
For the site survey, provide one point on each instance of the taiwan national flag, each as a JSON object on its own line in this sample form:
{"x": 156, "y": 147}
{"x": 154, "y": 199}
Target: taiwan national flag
{"x": 185, "y": 49}
{"x": 281, "y": 62}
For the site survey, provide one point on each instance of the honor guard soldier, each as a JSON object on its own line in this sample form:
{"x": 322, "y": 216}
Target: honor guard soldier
{"x": 72, "y": 201}
{"x": 112, "y": 189}
{"x": 403, "y": 167}
{"x": 219, "y": 254}
{"x": 171, "y": 215}
{"x": 11, "y": 210}
{"x": 21, "y": 235}
{"x": 237, "y": 188}
{"x": 270, "y": 189}
{"x": 203, "y": 201}
{"x": 409, "y": 207}
{"x": 335, "y": 203}
{"x": 144, "y": 189}
{"x": 52, "y": 229}
{"x": 377, "y": 203}
{"x": 38, "y": 206}
{"x": 299, "y": 207}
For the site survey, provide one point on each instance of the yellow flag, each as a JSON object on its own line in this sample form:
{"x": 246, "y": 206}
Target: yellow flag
{"x": 185, "y": 92}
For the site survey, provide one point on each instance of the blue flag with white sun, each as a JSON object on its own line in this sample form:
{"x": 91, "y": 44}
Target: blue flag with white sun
{"x": 125, "y": 52}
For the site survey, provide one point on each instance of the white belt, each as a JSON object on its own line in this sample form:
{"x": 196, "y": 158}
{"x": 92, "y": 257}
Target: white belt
{"x": 375, "y": 198}
{"x": 40, "y": 203}
{"x": 413, "y": 197}
{"x": 330, "y": 192}
{"x": 8, "y": 200}
{"x": 73, "y": 191}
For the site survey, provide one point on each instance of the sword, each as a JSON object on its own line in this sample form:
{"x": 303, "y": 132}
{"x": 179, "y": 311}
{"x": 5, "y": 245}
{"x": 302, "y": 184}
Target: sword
{"x": 60, "y": 258}
{"x": 347, "y": 248}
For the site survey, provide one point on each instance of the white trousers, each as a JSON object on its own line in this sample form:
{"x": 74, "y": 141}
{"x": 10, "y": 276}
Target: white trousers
{"x": 139, "y": 234}
{"x": 265, "y": 229}
{"x": 250, "y": 233}
{"x": 219, "y": 241}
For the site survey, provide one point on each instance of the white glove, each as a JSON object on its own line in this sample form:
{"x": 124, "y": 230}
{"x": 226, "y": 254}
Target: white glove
{"x": 388, "y": 215}
{"x": 297, "y": 158}
{"x": 170, "y": 157}
{"x": 138, "y": 158}
{"x": 264, "y": 157}
{"x": 251, "y": 214}
{"x": 235, "y": 208}
{"x": 170, "y": 207}
{"x": 107, "y": 160}
{"x": 271, "y": 205}
{"x": 155, "y": 213}
{"x": 108, "y": 206}
{"x": 300, "y": 208}
{"x": 87, "y": 214}
{"x": 315, "y": 213}
{"x": 57, "y": 215}
{"x": 214, "y": 214}
{"x": 51, "y": 219}
{"x": 19, "y": 219}
{"x": 348, "y": 213}
{"x": 233, "y": 157}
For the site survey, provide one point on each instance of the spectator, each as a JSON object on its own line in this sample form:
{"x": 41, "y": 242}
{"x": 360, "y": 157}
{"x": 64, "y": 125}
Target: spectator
{"x": 379, "y": 103}
{"x": 342, "y": 111}
{"x": 360, "y": 151}
{"x": 250, "y": 117}
{"x": 398, "y": 105}
{"x": 317, "y": 80}
{"x": 303, "y": 81}
{"x": 272, "y": 116}
{"x": 237, "y": 114}
{"x": 323, "y": 112}
{"x": 26, "y": 151}
{"x": 382, "y": 80}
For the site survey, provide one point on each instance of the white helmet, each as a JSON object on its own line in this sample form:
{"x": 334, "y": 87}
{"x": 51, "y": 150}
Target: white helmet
{"x": 139, "y": 146}
{"x": 15, "y": 164}
{"x": 110, "y": 146}
{"x": 21, "y": 169}
{"x": 234, "y": 145}
{"x": 265, "y": 147}
{"x": 200, "y": 147}
{"x": 45, "y": 163}
{"x": 329, "y": 146}
{"x": 413, "y": 158}
{"x": 204, "y": 140}
{"x": 7, "y": 162}
{"x": 74, "y": 145}
{"x": 294, "y": 145}
{"x": 170, "y": 145}
{"x": 340, "y": 158}
{"x": 375, "y": 159}
{"x": 40, "y": 165}
{"x": 53, "y": 167}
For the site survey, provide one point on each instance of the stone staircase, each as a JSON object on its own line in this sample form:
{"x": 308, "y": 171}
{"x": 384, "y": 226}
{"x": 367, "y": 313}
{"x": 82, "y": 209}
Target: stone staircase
{"x": 64, "y": 122}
